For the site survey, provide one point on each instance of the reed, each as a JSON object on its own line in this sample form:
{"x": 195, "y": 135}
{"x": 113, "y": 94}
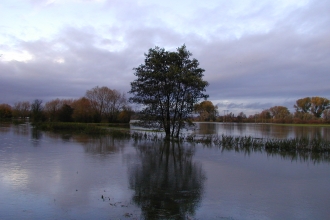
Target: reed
{"x": 248, "y": 143}
{"x": 272, "y": 145}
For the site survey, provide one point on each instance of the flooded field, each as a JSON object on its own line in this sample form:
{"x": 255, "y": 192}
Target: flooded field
{"x": 44, "y": 175}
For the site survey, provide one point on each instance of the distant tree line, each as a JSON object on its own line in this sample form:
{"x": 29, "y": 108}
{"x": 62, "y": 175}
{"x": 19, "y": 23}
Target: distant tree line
{"x": 307, "y": 110}
{"x": 100, "y": 104}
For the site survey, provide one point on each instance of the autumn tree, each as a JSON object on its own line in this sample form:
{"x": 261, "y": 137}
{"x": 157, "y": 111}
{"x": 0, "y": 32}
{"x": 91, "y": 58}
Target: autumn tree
{"x": 106, "y": 102}
{"x": 265, "y": 115}
{"x": 314, "y": 105}
{"x": 5, "y": 111}
{"x": 168, "y": 85}
{"x": 326, "y": 115}
{"x": 125, "y": 114}
{"x": 303, "y": 116}
{"x": 206, "y": 110}
{"x": 303, "y": 105}
{"x": 52, "y": 108}
{"x": 279, "y": 112}
{"x": 21, "y": 109}
{"x": 318, "y": 105}
{"x": 83, "y": 111}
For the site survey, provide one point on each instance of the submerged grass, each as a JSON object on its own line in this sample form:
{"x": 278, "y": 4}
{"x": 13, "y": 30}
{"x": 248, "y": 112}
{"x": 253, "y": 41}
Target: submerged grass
{"x": 302, "y": 144}
{"x": 294, "y": 145}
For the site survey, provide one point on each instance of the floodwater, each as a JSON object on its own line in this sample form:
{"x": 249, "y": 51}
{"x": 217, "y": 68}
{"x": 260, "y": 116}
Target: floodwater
{"x": 263, "y": 130}
{"x": 45, "y": 175}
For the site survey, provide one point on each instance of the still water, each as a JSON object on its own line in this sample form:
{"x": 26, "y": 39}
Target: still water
{"x": 62, "y": 176}
{"x": 263, "y": 130}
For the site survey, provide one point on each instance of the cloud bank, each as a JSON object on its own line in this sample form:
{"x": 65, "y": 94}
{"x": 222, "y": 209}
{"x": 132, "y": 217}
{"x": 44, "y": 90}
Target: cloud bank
{"x": 255, "y": 54}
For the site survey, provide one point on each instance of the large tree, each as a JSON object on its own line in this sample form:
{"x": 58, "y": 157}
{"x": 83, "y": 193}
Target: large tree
{"x": 168, "y": 85}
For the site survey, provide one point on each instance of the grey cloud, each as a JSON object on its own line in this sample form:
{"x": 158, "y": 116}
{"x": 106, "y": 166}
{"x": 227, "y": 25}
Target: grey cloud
{"x": 276, "y": 64}
{"x": 286, "y": 62}
{"x": 85, "y": 66}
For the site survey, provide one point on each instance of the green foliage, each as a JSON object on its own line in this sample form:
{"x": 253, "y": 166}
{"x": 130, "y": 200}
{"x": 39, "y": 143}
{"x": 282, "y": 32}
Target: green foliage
{"x": 168, "y": 85}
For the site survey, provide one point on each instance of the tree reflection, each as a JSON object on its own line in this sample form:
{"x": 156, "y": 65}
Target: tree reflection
{"x": 102, "y": 145}
{"x": 36, "y": 134}
{"x": 167, "y": 183}
{"x": 4, "y": 127}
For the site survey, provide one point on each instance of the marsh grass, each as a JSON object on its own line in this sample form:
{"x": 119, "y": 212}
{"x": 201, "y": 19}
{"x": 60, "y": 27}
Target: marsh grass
{"x": 248, "y": 143}
{"x": 302, "y": 144}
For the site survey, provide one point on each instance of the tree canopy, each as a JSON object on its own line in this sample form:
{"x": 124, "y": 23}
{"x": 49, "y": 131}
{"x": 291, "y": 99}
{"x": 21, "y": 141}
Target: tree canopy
{"x": 106, "y": 102}
{"x": 318, "y": 105}
{"x": 279, "y": 112}
{"x": 168, "y": 85}
{"x": 206, "y": 110}
{"x": 314, "y": 105}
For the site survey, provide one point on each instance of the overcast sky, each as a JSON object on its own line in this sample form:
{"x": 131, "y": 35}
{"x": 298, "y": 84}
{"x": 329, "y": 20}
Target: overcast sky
{"x": 256, "y": 54}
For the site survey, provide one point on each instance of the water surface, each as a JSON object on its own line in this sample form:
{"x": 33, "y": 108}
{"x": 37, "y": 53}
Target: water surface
{"x": 62, "y": 176}
{"x": 263, "y": 130}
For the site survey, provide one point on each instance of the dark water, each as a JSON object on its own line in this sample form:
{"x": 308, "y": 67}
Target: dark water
{"x": 263, "y": 130}
{"x": 62, "y": 176}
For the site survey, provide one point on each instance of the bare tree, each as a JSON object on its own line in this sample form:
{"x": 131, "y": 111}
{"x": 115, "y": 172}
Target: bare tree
{"x": 21, "y": 109}
{"x": 106, "y": 102}
{"x": 37, "y": 110}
